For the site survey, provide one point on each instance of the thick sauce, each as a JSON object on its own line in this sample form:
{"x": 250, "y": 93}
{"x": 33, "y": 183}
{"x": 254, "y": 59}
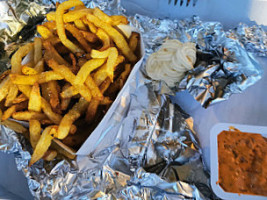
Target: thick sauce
{"x": 242, "y": 162}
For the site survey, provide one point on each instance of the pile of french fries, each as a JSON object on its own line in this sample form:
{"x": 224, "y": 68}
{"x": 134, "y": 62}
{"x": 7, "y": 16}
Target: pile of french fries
{"x": 67, "y": 78}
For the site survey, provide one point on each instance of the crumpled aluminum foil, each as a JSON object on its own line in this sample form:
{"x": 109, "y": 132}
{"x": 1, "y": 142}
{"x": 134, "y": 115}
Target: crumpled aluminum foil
{"x": 223, "y": 66}
{"x": 154, "y": 152}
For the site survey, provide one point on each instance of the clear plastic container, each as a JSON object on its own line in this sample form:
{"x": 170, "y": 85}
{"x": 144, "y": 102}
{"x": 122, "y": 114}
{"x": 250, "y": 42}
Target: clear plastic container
{"x": 215, "y": 131}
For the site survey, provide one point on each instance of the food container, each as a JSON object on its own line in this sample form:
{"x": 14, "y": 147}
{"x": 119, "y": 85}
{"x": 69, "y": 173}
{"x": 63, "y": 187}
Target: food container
{"x": 215, "y": 131}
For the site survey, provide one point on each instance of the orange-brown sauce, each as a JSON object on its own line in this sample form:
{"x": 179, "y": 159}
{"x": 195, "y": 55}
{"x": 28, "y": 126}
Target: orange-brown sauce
{"x": 242, "y": 162}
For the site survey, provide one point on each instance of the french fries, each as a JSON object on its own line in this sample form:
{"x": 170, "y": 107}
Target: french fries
{"x": 68, "y": 79}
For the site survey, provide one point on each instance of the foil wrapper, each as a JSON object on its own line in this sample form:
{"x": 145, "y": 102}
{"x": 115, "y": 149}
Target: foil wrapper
{"x": 152, "y": 151}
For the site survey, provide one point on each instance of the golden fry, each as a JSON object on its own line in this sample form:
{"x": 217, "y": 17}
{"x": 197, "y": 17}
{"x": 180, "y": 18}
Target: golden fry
{"x": 28, "y": 115}
{"x": 19, "y": 99}
{"x": 63, "y": 149}
{"x": 70, "y": 117}
{"x": 86, "y": 69}
{"x": 102, "y": 73}
{"x": 52, "y": 53}
{"x": 25, "y": 89}
{"x": 15, "y": 126}
{"x": 115, "y": 35}
{"x": 74, "y": 15}
{"x": 111, "y": 62}
{"x": 44, "y": 31}
{"x": 35, "y": 99}
{"x": 39, "y": 78}
{"x": 118, "y": 19}
{"x": 103, "y": 36}
{"x": 42, "y": 145}
{"x": 80, "y": 25}
{"x": 90, "y": 37}
{"x": 91, "y": 26}
{"x": 28, "y": 70}
{"x": 47, "y": 109}
{"x": 101, "y": 54}
{"x": 35, "y": 132}
{"x": 133, "y": 41}
{"x": 12, "y": 94}
{"x": 70, "y": 77}
{"x": 105, "y": 101}
{"x": 37, "y": 50}
{"x": 90, "y": 83}
{"x": 8, "y": 113}
{"x": 60, "y": 24}
{"x": 50, "y": 25}
{"x": 53, "y": 94}
{"x": 65, "y": 101}
{"x": 69, "y": 92}
{"x": 101, "y": 15}
{"x": 4, "y": 88}
{"x": 51, "y": 16}
{"x": 17, "y": 58}
{"x": 118, "y": 84}
{"x": 76, "y": 33}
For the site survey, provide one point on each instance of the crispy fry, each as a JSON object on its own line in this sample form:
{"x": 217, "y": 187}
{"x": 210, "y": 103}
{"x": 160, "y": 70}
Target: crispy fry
{"x": 76, "y": 33}
{"x": 73, "y": 129}
{"x": 50, "y": 25}
{"x": 17, "y": 58}
{"x": 70, "y": 117}
{"x": 103, "y": 36}
{"x": 91, "y": 110}
{"x": 42, "y": 145}
{"x": 47, "y": 109}
{"x": 133, "y": 41}
{"x": 91, "y": 26}
{"x": 86, "y": 69}
{"x": 63, "y": 149}
{"x": 73, "y": 15}
{"x": 37, "y": 50}
{"x": 119, "y": 19}
{"x": 101, "y": 54}
{"x": 46, "y": 122}
{"x": 39, "y": 67}
{"x": 35, "y": 132}
{"x": 19, "y": 99}
{"x": 8, "y": 113}
{"x": 53, "y": 94}
{"x": 35, "y": 99}
{"x": 25, "y": 89}
{"x": 70, "y": 77}
{"x": 4, "y": 87}
{"x": 74, "y": 64}
{"x": 50, "y": 155}
{"x": 102, "y": 73}
{"x": 90, "y": 37}
{"x": 28, "y": 115}
{"x": 69, "y": 92}
{"x": 115, "y": 35}
{"x": 118, "y": 84}
{"x": 1, "y": 113}
{"x": 17, "y": 127}
{"x": 65, "y": 101}
{"x": 80, "y": 25}
{"x": 39, "y": 78}
{"x": 51, "y": 16}
{"x": 60, "y": 24}
{"x": 44, "y": 31}
{"x": 52, "y": 53}
{"x": 53, "y": 40}
{"x": 90, "y": 83}
{"x": 111, "y": 62}
{"x": 12, "y": 94}
{"x": 28, "y": 70}
{"x": 101, "y": 15}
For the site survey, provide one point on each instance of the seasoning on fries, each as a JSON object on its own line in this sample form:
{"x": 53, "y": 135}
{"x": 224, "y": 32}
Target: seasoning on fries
{"x": 70, "y": 79}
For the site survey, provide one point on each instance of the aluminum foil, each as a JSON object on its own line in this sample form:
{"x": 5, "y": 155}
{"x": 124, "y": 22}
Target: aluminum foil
{"x": 223, "y": 67}
{"x": 150, "y": 150}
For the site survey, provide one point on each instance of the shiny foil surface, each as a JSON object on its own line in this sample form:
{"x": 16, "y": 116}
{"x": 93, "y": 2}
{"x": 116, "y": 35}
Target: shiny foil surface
{"x": 149, "y": 149}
